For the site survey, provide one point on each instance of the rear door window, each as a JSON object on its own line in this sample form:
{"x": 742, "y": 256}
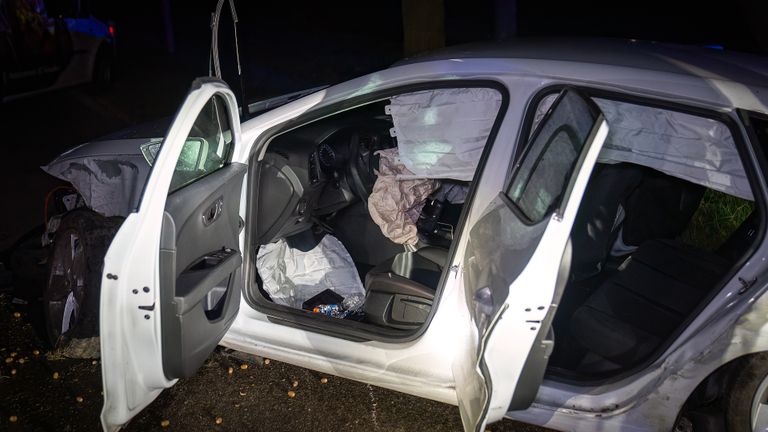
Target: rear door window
{"x": 542, "y": 177}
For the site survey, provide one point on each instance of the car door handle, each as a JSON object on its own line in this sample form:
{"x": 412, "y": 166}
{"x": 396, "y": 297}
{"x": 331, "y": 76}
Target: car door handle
{"x": 213, "y": 212}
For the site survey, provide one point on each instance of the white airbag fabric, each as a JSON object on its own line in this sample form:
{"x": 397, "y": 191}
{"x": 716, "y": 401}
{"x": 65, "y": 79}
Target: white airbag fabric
{"x": 693, "y": 148}
{"x": 441, "y": 133}
{"x": 395, "y": 203}
{"x": 292, "y": 276}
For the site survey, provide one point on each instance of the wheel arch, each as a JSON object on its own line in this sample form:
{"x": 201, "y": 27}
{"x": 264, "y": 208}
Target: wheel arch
{"x": 704, "y": 407}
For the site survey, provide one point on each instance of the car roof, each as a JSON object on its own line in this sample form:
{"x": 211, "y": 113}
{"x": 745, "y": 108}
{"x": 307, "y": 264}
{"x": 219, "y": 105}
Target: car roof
{"x": 696, "y": 61}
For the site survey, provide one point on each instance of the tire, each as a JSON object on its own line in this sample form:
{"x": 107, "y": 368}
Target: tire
{"x": 74, "y": 276}
{"x": 751, "y": 378}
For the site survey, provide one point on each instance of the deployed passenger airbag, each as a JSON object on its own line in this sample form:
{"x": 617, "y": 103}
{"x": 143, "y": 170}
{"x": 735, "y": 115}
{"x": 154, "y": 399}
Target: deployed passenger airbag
{"x": 292, "y": 276}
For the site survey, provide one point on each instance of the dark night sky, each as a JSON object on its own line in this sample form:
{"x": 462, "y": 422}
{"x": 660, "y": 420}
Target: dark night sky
{"x": 337, "y": 41}
{"x": 733, "y": 24}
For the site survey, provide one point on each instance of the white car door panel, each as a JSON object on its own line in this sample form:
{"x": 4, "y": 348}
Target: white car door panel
{"x": 517, "y": 261}
{"x": 171, "y": 281}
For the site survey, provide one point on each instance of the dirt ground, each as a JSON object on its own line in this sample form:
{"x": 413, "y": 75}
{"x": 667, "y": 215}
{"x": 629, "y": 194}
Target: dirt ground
{"x": 47, "y": 392}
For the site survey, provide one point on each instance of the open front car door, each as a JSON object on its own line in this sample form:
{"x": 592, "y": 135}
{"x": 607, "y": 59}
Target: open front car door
{"x": 517, "y": 262}
{"x": 171, "y": 282}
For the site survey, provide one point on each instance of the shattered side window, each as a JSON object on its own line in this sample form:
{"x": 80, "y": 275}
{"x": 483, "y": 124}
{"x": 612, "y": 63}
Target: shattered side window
{"x": 208, "y": 146}
{"x": 551, "y": 156}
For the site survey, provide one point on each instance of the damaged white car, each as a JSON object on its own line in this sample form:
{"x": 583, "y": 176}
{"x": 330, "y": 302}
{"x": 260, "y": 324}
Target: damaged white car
{"x": 566, "y": 234}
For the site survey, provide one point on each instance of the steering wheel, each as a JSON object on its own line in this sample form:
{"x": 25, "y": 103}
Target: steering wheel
{"x": 361, "y": 168}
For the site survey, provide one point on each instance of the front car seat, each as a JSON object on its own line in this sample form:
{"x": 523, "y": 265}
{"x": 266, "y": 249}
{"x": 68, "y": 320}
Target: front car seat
{"x": 400, "y": 290}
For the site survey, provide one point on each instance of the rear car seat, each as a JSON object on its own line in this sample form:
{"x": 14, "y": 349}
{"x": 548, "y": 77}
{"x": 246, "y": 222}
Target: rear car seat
{"x": 660, "y": 208}
{"x": 400, "y": 290}
{"x": 595, "y": 228}
{"x": 631, "y": 314}
{"x": 655, "y": 206}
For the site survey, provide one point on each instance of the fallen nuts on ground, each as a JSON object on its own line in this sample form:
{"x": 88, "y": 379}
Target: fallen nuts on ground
{"x": 9, "y": 360}
{"x": 13, "y": 371}
{"x": 242, "y": 393}
{"x": 22, "y": 361}
{"x": 295, "y": 384}
{"x": 13, "y": 419}
{"x": 165, "y": 423}
{"x": 95, "y": 362}
{"x": 16, "y": 315}
{"x": 244, "y": 366}
{"x": 36, "y": 352}
{"x": 230, "y": 370}
{"x": 266, "y": 361}
{"x": 79, "y": 399}
{"x": 291, "y": 394}
{"x": 323, "y": 380}
{"x": 56, "y": 375}
{"x": 14, "y": 354}
{"x": 219, "y": 420}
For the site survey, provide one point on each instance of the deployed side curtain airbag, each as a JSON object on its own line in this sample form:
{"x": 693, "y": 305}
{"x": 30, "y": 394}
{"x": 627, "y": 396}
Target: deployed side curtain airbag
{"x": 693, "y": 148}
{"x": 441, "y": 133}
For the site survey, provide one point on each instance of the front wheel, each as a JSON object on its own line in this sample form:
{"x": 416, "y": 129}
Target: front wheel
{"x": 746, "y": 401}
{"x": 71, "y": 297}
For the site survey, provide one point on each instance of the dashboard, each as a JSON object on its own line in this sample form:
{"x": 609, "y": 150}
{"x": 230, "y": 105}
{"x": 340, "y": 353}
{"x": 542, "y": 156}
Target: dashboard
{"x": 347, "y": 159}
{"x": 315, "y": 171}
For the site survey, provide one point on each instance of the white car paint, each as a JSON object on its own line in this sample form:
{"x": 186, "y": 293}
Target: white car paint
{"x": 647, "y": 400}
{"x": 613, "y": 406}
{"x": 132, "y": 370}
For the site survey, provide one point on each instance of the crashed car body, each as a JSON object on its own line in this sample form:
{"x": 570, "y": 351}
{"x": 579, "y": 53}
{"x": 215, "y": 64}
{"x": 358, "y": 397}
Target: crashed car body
{"x": 570, "y": 291}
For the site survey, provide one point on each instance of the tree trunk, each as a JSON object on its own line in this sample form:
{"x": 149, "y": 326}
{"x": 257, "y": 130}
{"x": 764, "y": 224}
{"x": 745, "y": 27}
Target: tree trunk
{"x": 423, "y": 26}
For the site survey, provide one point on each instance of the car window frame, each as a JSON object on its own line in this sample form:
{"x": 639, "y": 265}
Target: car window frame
{"x": 347, "y": 330}
{"x": 226, "y": 157}
{"x": 522, "y": 151}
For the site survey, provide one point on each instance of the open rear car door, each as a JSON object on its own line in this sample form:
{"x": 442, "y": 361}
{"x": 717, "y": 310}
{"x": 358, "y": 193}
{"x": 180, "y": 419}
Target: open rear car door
{"x": 517, "y": 262}
{"x": 171, "y": 282}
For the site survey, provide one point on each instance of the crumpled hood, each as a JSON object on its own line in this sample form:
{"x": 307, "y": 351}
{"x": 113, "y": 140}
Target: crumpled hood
{"x": 110, "y": 175}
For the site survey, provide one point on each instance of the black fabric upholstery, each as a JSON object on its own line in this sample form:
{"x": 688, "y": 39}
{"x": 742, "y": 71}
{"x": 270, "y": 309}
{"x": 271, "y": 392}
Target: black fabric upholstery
{"x": 594, "y": 228}
{"x": 423, "y": 267}
{"x": 740, "y": 239}
{"x": 626, "y": 319}
{"x": 656, "y": 206}
{"x": 399, "y": 291}
{"x": 660, "y": 208}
